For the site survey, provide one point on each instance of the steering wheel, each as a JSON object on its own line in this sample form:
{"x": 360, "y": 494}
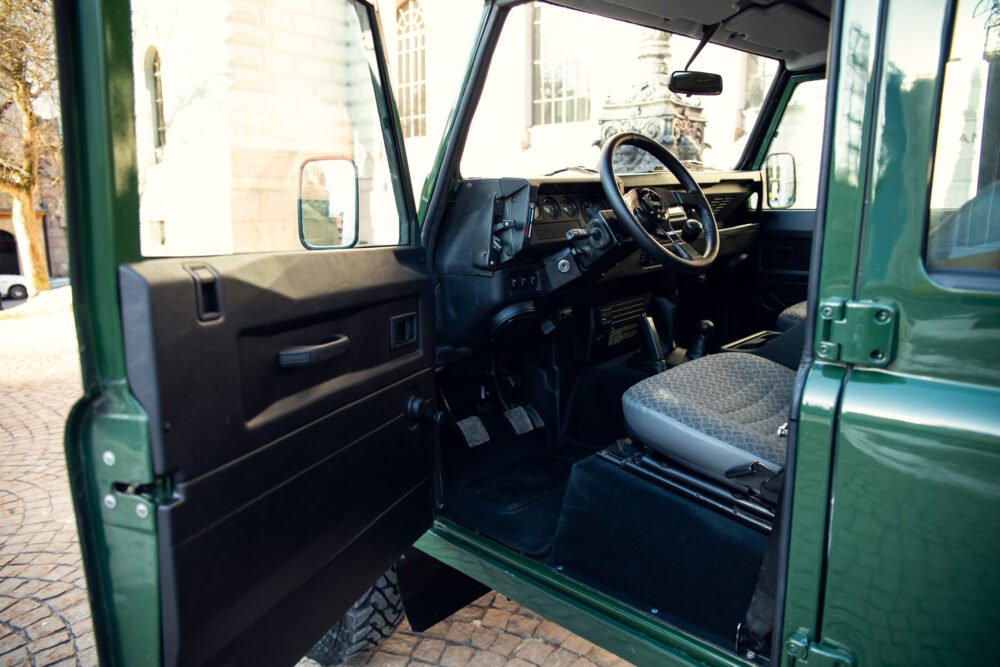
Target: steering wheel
{"x": 644, "y": 215}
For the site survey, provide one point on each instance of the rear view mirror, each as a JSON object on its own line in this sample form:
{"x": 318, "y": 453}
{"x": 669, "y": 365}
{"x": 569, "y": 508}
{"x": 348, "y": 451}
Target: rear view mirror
{"x": 695, "y": 83}
{"x": 328, "y": 203}
{"x": 779, "y": 171}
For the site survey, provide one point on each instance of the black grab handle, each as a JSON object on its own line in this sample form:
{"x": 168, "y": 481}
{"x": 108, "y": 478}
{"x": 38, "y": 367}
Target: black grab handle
{"x": 310, "y": 355}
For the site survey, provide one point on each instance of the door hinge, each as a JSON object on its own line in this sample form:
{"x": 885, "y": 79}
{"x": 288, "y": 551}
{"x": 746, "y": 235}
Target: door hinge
{"x": 862, "y": 333}
{"x": 814, "y": 654}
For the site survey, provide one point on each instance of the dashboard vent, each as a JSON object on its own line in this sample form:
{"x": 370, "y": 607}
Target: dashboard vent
{"x": 720, "y": 203}
{"x": 623, "y": 311}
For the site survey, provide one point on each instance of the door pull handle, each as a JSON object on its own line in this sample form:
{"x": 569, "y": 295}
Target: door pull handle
{"x": 310, "y": 355}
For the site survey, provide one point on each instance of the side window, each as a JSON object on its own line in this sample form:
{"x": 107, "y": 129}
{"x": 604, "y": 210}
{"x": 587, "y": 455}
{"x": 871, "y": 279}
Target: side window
{"x": 259, "y": 130}
{"x": 964, "y": 217}
{"x": 794, "y": 156}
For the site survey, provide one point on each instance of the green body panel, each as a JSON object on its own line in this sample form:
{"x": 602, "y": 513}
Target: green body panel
{"x": 911, "y": 577}
{"x": 641, "y": 639}
{"x": 122, "y": 574}
{"x": 911, "y": 571}
{"x": 851, "y": 123}
{"x": 811, "y": 498}
{"x": 119, "y": 547}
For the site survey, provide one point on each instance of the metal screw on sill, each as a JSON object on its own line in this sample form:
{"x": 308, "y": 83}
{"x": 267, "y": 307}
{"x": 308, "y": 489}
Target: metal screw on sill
{"x": 108, "y": 458}
{"x": 110, "y": 501}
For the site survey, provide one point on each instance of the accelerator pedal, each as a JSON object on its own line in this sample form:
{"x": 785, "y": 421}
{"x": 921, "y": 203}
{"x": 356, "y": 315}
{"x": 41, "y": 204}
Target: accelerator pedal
{"x": 473, "y": 431}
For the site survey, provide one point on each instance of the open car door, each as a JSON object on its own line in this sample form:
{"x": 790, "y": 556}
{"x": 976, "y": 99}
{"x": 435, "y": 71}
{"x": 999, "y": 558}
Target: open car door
{"x": 249, "y": 455}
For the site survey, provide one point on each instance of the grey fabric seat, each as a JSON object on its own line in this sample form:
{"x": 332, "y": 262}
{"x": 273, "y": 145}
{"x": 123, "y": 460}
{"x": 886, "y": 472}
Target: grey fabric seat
{"x": 789, "y": 317}
{"x": 715, "y": 413}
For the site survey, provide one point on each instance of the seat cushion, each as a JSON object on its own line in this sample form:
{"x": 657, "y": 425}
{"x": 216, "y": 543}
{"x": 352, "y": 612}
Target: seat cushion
{"x": 792, "y": 315}
{"x": 714, "y": 413}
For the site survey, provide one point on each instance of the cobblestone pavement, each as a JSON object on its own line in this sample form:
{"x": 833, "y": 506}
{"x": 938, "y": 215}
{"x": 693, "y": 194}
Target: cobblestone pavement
{"x": 44, "y": 614}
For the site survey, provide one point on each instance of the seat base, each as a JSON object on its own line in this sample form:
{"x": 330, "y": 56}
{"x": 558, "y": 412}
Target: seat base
{"x": 714, "y": 414}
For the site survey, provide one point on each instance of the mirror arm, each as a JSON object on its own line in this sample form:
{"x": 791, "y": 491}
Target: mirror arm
{"x": 709, "y": 34}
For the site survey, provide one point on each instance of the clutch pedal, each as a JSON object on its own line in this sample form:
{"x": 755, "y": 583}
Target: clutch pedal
{"x": 473, "y": 431}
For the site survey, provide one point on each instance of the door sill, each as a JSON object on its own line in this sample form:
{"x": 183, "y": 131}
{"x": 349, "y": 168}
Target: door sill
{"x": 635, "y": 636}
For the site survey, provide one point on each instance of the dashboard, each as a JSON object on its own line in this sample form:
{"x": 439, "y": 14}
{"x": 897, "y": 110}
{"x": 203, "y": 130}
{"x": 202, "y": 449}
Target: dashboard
{"x": 514, "y": 250}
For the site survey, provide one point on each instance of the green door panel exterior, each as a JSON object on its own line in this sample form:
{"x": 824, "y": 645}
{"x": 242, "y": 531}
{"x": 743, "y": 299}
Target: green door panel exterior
{"x": 851, "y": 117}
{"x": 639, "y": 638}
{"x": 911, "y": 563}
{"x": 945, "y": 332}
{"x": 118, "y": 546}
{"x": 912, "y": 574}
{"x": 811, "y": 499}
{"x": 852, "y": 126}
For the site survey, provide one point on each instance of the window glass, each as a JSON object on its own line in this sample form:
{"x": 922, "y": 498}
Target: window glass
{"x": 411, "y": 65}
{"x": 799, "y": 140}
{"x": 248, "y": 107}
{"x": 964, "y": 226}
{"x": 561, "y": 82}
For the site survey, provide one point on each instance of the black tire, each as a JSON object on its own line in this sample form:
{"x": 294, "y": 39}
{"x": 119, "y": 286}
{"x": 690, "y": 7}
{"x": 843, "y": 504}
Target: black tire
{"x": 17, "y": 292}
{"x": 364, "y": 626}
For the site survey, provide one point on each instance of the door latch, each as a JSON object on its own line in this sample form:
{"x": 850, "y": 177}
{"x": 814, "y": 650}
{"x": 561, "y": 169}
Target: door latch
{"x": 815, "y": 654}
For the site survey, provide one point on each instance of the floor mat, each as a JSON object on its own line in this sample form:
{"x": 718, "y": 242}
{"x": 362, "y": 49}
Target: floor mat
{"x": 516, "y": 502}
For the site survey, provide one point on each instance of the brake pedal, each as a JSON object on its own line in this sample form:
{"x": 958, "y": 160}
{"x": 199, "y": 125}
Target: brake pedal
{"x": 473, "y": 431}
{"x": 523, "y": 419}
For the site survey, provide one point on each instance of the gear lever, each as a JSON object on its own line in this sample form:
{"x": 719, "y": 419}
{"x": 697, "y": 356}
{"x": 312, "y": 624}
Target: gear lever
{"x": 650, "y": 356}
{"x": 697, "y": 349}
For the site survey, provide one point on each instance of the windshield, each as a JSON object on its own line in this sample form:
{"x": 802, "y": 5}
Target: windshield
{"x": 563, "y": 81}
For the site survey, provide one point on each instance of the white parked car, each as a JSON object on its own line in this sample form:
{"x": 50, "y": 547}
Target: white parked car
{"x": 13, "y": 286}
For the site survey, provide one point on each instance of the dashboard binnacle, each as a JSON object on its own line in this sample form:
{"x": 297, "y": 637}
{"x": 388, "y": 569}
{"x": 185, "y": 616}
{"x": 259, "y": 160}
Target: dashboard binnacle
{"x": 510, "y": 245}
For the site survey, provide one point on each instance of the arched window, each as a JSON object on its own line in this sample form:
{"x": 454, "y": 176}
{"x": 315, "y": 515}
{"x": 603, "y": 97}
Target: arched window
{"x": 154, "y": 84}
{"x": 411, "y": 68}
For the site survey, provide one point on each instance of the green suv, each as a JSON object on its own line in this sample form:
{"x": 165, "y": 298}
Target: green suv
{"x": 727, "y": 392}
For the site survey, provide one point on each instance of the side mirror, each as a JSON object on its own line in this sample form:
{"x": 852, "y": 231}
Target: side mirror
{"x": 328, "y": 203}
{"x": 695, "y": 83}
{"x": 779, "y": 171}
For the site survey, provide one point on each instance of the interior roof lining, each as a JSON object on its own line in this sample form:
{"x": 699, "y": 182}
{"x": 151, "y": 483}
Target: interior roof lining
{"x": 684, "y": 17}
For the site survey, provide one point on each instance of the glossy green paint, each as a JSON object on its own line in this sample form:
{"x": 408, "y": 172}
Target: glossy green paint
{"x": 851, "y": 119}
{"x": 811, "y": 499}
{"x": 852, "y": 127}
{"x": 948, "y": 333}
{"x": 120, "y": 542}
{"x": 637, "y": 637}
{"x": 911, "y": 571}
{"x": 119, "y": 547}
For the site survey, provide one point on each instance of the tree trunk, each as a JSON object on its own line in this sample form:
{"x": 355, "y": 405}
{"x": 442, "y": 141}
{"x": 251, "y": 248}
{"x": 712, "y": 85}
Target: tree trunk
{"x": 30, "y": 243}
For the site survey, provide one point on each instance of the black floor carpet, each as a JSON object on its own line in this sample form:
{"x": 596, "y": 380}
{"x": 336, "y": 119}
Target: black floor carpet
{"x": 511, "y": 488}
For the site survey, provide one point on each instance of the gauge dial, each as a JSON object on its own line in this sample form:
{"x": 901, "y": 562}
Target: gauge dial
{"x": 569, "y": 207}
{"x": 550, "y": 207}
